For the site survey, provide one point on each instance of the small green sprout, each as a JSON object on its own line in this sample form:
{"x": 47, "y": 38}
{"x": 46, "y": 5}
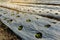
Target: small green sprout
{"x": 28, "y": 10}
{"x": 10, "y": 20}
{"x": 4, "y": 13}
{"x": 37, "y": 18}
{"x": 28, "y": 20}
{"x": 48, "y": 12}
{"x": 54, "y": 22}
{"x": 20, "y": 27}
{"x": 38, "y": 35}
{"x": 0, "y": 15}
{"x": 56, "y": 13}
{"x": 12, "y": 14}
{"x": 48, "y": 25}
{"x": 39, "y": 11}
{"x": 5, "y": 18}
{"x": 17, "y": 16}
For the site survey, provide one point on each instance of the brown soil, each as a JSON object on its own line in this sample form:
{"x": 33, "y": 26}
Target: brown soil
{"x": 7, "y": 34}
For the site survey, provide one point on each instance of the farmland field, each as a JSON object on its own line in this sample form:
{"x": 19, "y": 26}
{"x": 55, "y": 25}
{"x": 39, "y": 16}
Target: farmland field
{"x": 30, "y": 20}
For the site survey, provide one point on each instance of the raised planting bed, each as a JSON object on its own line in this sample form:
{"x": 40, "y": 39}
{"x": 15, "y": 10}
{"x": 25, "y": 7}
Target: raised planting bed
{"x": 32, "y": 23}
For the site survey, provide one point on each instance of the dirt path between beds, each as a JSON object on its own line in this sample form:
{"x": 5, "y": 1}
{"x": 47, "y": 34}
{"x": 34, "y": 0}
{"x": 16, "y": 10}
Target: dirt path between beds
{"x": 7, "y": 34}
